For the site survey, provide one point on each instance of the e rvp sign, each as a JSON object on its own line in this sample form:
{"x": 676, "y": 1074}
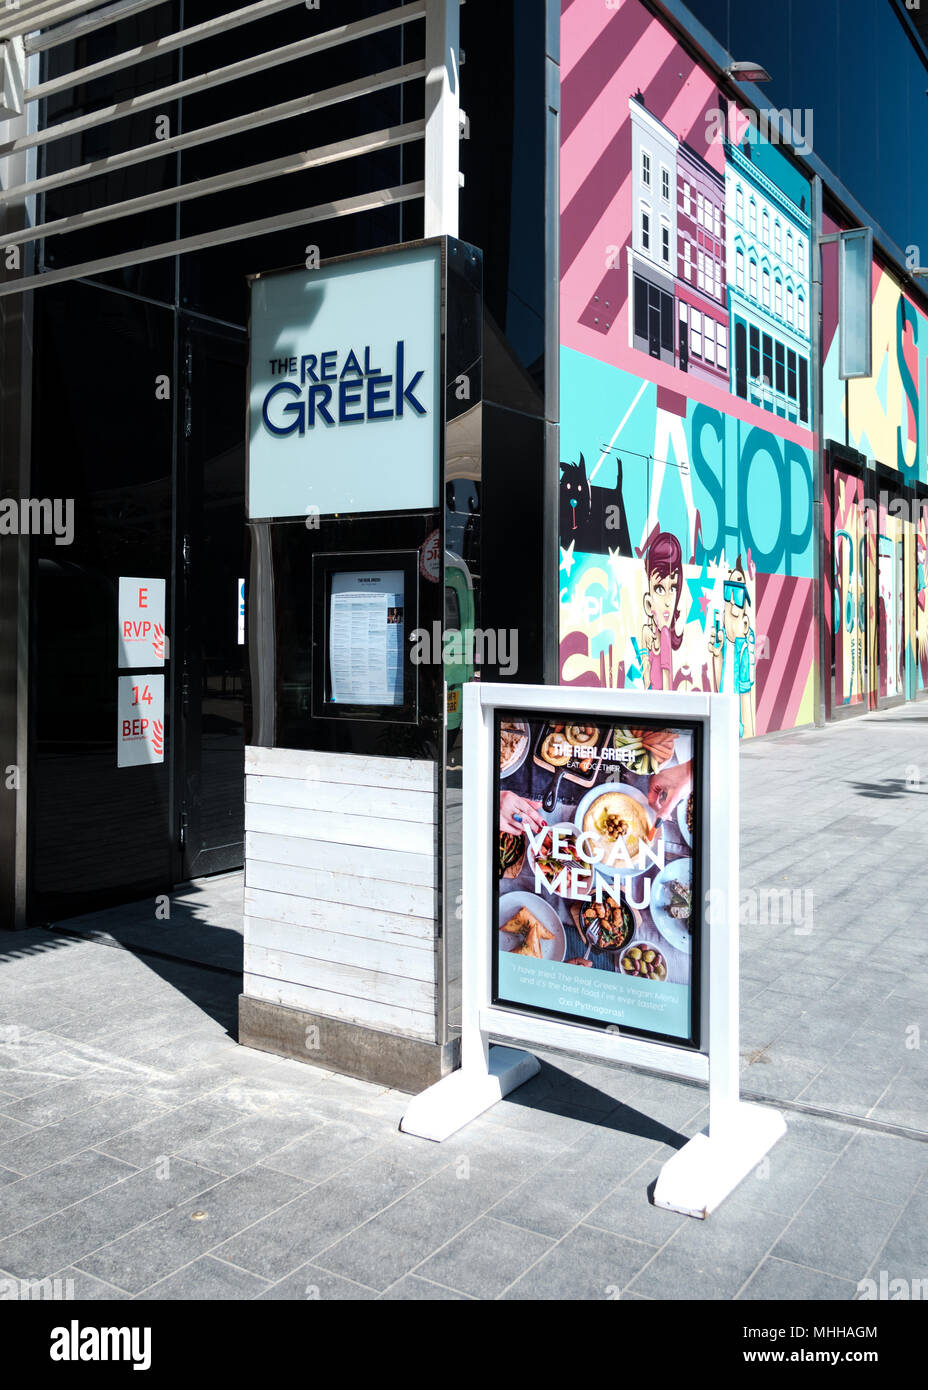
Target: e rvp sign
{"x": 140, "y": 720}
{"x": 141, "y": 622}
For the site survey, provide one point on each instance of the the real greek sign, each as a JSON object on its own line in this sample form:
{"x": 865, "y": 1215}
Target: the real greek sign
{"x": 345, "y": 399}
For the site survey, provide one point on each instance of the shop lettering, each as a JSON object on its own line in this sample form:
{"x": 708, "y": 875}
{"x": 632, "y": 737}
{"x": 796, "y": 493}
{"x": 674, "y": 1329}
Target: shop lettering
{"x": 727, "y": 513}
{"x": 134, "y": 728}
{"x": 337, "y": 389}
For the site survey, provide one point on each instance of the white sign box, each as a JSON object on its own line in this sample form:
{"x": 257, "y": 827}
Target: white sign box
{"x": 653, "y": 982}
{"x": 140, "y": 714}
{"x": 345, "y": 386}
{"x": 141, "y": 634}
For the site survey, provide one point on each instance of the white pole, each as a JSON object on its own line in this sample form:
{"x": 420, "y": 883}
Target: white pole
{"x": 442, "y": 111}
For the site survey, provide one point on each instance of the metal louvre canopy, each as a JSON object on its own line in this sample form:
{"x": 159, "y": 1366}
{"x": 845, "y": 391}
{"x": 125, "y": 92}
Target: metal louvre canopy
{"x": 43, "y": 24}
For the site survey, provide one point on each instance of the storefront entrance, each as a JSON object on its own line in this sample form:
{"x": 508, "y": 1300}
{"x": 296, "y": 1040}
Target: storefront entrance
{"x": 138, "y": 418}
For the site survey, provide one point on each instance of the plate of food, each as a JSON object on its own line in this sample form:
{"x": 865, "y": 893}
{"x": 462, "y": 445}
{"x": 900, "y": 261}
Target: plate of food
{"x": 513, "y": 745}
{"x": 616, "y": 818}
{"x": 642, "y": 961}
{"x": 685, "y": 818}
{"x": 511, "y": 854}
{"x": 606, "y": 926}
{"x": 672, "y": 903}
{"x": 528, "y": 926}
{"x": 554, "y": 856}
{"x": 644, "y": 750}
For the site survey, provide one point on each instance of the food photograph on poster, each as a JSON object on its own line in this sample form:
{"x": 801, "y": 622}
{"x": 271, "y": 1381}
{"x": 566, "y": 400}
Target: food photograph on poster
{"x": 599, "y": 835}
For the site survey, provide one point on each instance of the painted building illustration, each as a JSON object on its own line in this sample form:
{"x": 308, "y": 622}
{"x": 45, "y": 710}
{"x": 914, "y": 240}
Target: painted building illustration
{"x": 768, "y": 289}
{"x": 652, "y": 254}
{"x": 702, "y": 272}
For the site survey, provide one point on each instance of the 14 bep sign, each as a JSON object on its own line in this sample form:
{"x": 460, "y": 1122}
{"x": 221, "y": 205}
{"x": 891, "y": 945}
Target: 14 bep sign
{"x": 599, "y": 835}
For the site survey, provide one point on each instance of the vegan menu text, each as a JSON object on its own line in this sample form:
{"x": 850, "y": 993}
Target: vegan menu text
{"x": 599, "y": 847}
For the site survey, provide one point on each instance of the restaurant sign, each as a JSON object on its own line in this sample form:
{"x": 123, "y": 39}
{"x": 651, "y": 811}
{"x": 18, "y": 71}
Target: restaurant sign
{"x": 345, "y": 386}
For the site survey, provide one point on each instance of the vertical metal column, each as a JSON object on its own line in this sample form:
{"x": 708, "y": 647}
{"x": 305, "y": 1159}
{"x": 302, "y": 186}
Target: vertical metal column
{"x": 442, "y": 117}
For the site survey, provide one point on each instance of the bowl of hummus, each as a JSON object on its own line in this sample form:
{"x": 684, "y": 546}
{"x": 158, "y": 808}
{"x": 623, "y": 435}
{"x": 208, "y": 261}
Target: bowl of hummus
{"x": 615, "y": 819}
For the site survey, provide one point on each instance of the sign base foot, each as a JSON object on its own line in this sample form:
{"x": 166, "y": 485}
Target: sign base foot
{"x": 703, "y": 1173}
{"x": 457, "y": 1099}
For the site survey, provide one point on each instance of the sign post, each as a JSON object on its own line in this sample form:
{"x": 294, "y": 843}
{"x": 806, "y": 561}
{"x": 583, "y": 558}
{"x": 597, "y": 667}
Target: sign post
{"x": 601, "y": 909}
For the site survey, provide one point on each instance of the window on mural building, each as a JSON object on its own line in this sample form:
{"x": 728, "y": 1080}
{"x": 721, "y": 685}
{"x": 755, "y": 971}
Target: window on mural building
{"x": 767, "y": 361}
{"x": 791, "y": 374}
{"x": 779, "y": 368}
{"x": 789, "y": 248}
{"x": 665, "y": 243}
{"x": 803, "y": 389}
{"x": 752, "y": 279}
{"x": 766, "y": 293}
{"x": 739, "y": 269}
{"x": 754, "y": 367}
{"x": 645, "y": 230}
{"x": 641, "y": 308}
{"x": 709, "y": 340}
{"x": 739, "y": 205}
{"x": 752, "y": 218}
{"x": 717, "y": 221}
{"x": 718, "y": 279}
{"x": 687, "y": 200}
{"x": 645, "y": 168}
{"x": 665, "y": 183}
{"x": 801, "y": 314}
{"x": 800, "y": 256}
{"x": 777, "y": 238}
{"x": 765, "y": 227}
{"x": 778, "y": 297}
{"x": 696, "y": 332}
{"x": 721, "y": 346}
{"x": 688, "y": 260}
{"x": 789, "y": 304}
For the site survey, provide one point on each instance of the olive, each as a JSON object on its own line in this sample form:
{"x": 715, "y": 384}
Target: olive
{"x": 649, "y": 956}
{"x": 635, "y": 953}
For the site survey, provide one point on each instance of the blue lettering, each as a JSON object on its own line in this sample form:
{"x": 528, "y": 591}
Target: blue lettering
{"x": 349, "y": 393}
{"x": 308, "y": 368}
{"x": 377, "y": 392}
{"x": 326, "y": 393}
{"x": 404, "y": 393}
{"x": 294, "y": 408}
{"x": 368, "y": 369}
{"x": 351, "y": 365}
{"x": 327, "y": 365}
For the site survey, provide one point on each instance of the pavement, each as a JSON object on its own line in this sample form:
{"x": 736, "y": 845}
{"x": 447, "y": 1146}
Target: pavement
{"x": 144, "y": 1154}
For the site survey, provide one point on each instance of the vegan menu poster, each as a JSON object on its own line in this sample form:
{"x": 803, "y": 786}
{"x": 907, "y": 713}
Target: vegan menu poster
{"x": 599, "y": 842}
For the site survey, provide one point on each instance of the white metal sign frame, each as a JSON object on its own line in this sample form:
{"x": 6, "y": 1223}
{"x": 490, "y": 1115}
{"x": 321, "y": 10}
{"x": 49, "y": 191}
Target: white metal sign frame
{"x": 709, "y": 1166}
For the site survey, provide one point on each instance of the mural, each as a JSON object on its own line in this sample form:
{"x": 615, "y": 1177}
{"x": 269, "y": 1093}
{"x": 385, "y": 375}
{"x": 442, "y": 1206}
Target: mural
{"x": 686, "y": 396}
{"x": 883, "y": 418}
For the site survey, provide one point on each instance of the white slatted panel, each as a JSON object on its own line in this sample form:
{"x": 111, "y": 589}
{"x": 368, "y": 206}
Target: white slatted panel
{"x": 37, "y": 21}
{"x": 341, "y": 900}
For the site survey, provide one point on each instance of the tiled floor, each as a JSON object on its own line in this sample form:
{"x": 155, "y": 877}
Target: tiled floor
{"x": 144, "y": 1154}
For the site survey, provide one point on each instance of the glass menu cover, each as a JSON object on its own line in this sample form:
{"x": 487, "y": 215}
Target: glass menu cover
{"x": 599, "y": 835}
{"x": 366, "y": 637}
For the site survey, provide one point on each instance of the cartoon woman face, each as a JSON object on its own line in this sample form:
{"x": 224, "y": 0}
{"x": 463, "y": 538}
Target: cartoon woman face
{"x": 661, "y": 599}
